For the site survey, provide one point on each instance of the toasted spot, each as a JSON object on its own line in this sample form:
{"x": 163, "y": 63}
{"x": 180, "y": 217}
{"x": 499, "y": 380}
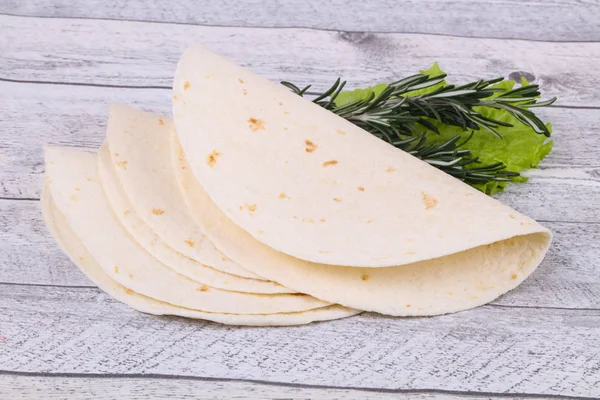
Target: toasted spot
{"x": 250, "y": 207}
{"x": 282, "y": 195}
{"x": 450, "y": 294}
{"x": 211, "y": 159}
{"x": 295, "y": 217}
{"x": 310, "y": 146}
{"x": 130, "y": 276}
{"x": 256, "y": 124}
{"x": 152, "y": 243}
{"x": 73, "y": 197}
{"x": 364, "y": 277}
{"x": 420, "y": 308}
{"x": 309, "y": 220}
{"x": 244, "y": 92}
{"x": 514, "y": 276}
{"x": 512, "y": 216}
{"x": 474, "y": 297}
{"x": 186, "y": 85}
{"x": 81, "y": 259}
{"x": 280, "y": 103}
{"x": 126, "y": 212}
{"x": 526, "y": 223}
{"x": 360, "y": 188}
{"x": 203, "y": 288}
{"x": 370, "y": 220}
{"x": 260, "y": 232}
{"x": 240, "y": 80}
{"x": 322, "y": 219}
{"x": 116, "y": 154}
{"x": 329, "y": 163}
{"x": 190, "y": 243}
{"x": 122, "y": 164}
{"x": 390, "y": 169}
{"x": 175, "y": 98}
{"x": 284, "y": 128}
{"x": 341, "y": 132}
{"x": 207, "y": 76}
{"x": 286, "y": 112}
{"x": 408, "y": 306}
{"x": 337, "y": 199}
{"x": 128, "y": 291}
{"x": 428, "y": 200}
{"x": 223, "y": 258}
{"x": 116, "y": 269}
{"x": 157, "y": 211}
{"x": 161, "y": 122}
{"x": 241, "y": 208}
{"x": 77, "y": 189}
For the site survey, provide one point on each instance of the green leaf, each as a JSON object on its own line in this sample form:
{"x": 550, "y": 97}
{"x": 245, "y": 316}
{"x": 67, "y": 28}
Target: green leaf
{"x": 358, "y": 94}
{"x": 434, "y": 71}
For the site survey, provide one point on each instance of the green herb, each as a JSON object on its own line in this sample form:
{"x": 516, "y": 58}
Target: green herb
{"x": 436, "y": 122}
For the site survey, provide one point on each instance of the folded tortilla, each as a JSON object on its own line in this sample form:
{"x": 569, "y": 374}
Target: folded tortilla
{"x": 310, "y": 184}
{"x": 74, "y": 186}
{"x": 139, "y": 145}
{"x": 72, "y": 246}
{"x": 154, "y": 245}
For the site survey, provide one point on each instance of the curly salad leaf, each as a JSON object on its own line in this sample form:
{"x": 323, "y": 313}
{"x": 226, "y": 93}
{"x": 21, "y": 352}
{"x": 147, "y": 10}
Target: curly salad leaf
{"x": 519, "y": 149}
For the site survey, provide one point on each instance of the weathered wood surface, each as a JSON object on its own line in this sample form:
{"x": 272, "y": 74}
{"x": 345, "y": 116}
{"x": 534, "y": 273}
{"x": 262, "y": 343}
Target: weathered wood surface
{"x": 15, "y": 386}
{"x": 489, "y": 349}
{"x": 144, "y": 54}
{"x": 568, "y": 278}
{"x": 540, "y": 340}
{"x": 540, "y": 20}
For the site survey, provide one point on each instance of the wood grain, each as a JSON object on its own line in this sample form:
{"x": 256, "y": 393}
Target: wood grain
{"x": 144, "y": 387}
{"x": 144, "y": 54}
{"x": 540, "y": 20}
{"x": 568, "y": 277}
{"x": 489, "y": 349}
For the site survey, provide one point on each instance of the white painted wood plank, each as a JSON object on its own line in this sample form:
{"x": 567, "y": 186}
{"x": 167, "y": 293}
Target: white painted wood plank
{"x": 489, "y": 349}
{"x": 568, "y": 277}
{"x": 145, "y": 54}
{"x": 541, "y": 20}
{"x": 18, "y": 387}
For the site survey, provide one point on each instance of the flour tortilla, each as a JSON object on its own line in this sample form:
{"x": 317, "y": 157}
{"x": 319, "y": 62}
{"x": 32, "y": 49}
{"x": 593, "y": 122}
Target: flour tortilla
{"x": 139, "y": 146}
{"x": 310, "y": 184}
{"x": 448, "y": 284}
{"x": 154, "y": 245}
{"x": 77, "y": 192}
{"x": 72, "y": 246}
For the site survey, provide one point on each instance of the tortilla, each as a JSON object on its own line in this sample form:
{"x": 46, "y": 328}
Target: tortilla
{"x": 77, "y": 192}
{"x": 310, "y": 184}
{"x": 139, "y": 144}
{"x": 448, "y": 284}
{"x": 72, "y": 246}
{"x": 154, "y": 245}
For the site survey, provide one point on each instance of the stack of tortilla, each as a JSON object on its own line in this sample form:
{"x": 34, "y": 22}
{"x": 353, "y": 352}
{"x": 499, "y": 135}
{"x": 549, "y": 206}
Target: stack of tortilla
{"x": 254, "y": 206}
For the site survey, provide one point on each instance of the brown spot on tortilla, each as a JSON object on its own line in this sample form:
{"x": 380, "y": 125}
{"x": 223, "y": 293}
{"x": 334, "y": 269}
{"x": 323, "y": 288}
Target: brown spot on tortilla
{"x": 240, "y": 80}
{"x": 206, "y": 76}
{"x": 329, "y": 163}
{"x": 284, "y": 128}
{"x": 420, "y": 308}
{"x": 190, "y": 243}
{"x": 282, "y": 195}
{"x": 428, "y": 200}
{"x": 90, "y": 179}
{"x": 73, "y": 197}
{"x": 260, "y": 232}
{"x": 322, "y": 219}
{"x": 81, "y": 258}
{"x": 390, "y": 169}
{"x": 116, "y": 269}
{"x": 223, "y": 258}
{"x": 130, "y": 276}
{"x": 256, "y": 124}
{"x": 122, "y": 164}
{"x": 211, "y": 159}
{"x": 175, "y": 98}
{"x": 244, "y": 92}
{"x": 341, "y": 132}
{"x": 525, "y": 223}
{"x": 77, "y": 189}
{"x": 295, "y": 217}
{"x": 370, "y": 220}
{"x": 128, "y": 291}
{"x": 309, "y": 220}
{"x": 364, "y": 277}
{"x": 241, "y": 208}
{"x": 152, "y": 243}
{"x": 286, "y": 112}
{"x": 116, "y": 154}
{"x": 514, "y": 276}
{"x": 280, "y": 103}
{"x": 337, "y": 199}
{"x": 158, "y": 211}
{"x": 203, "y": 288}
{"x": 512, "y": 216}
{"x": 408, "y": 306}
{"x": 310, "y": 146}
{"x": 474, "y": 297}
{"x": 126, "y": 212}
{"x": 250, "y": 207}
{"x": 360, "y": 188}
{"x": 450, "y": 294}
{"x": 161, "y": 122}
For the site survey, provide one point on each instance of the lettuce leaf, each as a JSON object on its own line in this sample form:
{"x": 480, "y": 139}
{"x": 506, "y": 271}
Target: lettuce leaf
{"x": 519, "y": 149}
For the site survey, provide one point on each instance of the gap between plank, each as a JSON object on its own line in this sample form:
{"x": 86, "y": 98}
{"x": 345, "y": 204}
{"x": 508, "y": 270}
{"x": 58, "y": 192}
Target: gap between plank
{"x": 286, "y": 384}
{"x": 294, "y": 27}
{"x": 106, "y": 85}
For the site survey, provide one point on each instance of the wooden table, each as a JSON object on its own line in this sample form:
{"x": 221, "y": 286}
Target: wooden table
{"x": 62, "y": 63}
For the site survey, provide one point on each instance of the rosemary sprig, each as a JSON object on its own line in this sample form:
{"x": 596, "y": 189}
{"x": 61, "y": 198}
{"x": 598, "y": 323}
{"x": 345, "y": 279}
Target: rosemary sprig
{"x": 395, "y": 116}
